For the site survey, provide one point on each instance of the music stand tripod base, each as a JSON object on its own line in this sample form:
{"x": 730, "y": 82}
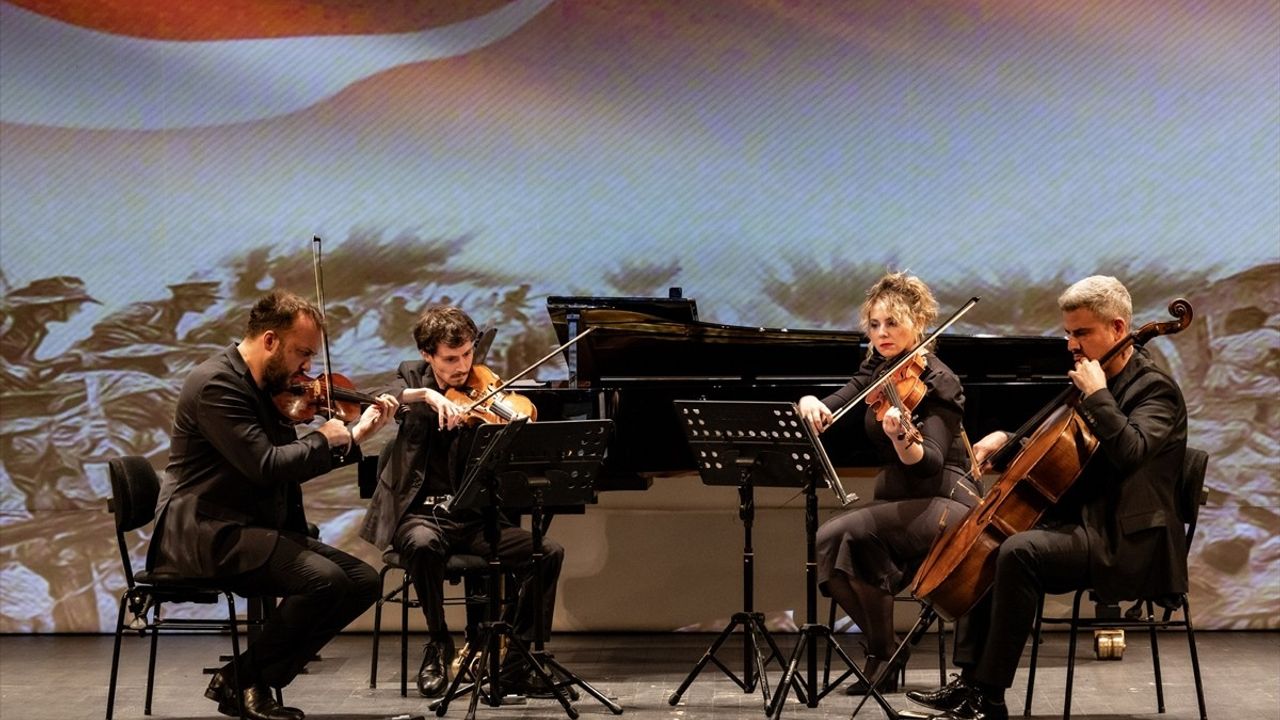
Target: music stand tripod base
{"x": 521, "y": 466}
{"x": 745, "y": 445}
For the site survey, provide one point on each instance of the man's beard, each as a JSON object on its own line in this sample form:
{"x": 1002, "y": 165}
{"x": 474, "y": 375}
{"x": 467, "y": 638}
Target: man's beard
{"x": 277, "y": 374}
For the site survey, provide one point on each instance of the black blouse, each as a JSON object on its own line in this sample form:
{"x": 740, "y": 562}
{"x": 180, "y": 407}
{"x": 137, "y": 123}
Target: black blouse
{"x": 942, "y": 472}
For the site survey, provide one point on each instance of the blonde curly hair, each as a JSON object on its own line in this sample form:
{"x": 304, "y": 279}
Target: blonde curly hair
{"x": 906, "y": 298}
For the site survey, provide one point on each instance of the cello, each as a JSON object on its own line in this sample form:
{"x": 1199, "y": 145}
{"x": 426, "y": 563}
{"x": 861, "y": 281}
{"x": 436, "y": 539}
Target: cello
{"x": 960, "y": 567}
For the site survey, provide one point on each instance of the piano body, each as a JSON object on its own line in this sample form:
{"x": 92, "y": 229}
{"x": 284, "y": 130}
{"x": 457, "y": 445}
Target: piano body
{"x": 645, "y": 353}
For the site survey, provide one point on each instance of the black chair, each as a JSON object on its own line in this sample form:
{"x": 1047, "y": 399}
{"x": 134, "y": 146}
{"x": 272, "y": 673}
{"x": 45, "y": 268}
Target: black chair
{"x": 1190, "y": 496}
{"x": 470, "y": 570}
{"x": 902, "y": 670}
{"x": 134, "y": 488}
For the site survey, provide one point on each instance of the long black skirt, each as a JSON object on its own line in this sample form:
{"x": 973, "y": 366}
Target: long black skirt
{"x": 883, "y": 543}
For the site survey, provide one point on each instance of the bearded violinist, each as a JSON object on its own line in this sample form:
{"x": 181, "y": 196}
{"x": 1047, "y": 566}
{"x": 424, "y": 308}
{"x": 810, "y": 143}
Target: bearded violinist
{"x": 866, "y": 555}
{"x": 230, "y": 506}
{"x": 422, "y": 469}
{"x": 1116, "y": 530}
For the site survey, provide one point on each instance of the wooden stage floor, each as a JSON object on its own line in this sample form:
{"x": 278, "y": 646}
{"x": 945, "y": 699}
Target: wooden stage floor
{"x": 60, "y": 677}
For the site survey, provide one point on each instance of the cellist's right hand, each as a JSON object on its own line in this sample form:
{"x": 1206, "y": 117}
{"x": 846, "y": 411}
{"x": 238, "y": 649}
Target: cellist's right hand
{"x": 988, "y": 445}
{"x": 816, "y": 412}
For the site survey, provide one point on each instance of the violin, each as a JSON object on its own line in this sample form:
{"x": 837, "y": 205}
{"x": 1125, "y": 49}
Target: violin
{"x": 486, "y": 401}
{"x": 903, "y": 391}
{"x": 331, "y": 395}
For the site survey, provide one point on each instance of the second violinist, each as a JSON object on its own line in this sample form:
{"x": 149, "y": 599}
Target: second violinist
{"x": 867, "y": 555}
{"x": 419, "y": 470}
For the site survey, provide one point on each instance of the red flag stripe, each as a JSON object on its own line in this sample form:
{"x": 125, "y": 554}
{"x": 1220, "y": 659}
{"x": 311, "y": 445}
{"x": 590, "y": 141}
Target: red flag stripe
{"x": 243, "y": 19}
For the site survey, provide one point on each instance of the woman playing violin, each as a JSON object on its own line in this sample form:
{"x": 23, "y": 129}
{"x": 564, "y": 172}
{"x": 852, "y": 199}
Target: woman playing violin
{"x": 866, "y": 555}
{"x": 421, "y": 468}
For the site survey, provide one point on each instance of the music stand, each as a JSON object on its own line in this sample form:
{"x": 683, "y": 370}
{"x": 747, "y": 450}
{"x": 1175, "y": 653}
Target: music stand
{"x": 771, "y": 444}
{"x": 526, "y": 468}
{"x": 744, "y": 445}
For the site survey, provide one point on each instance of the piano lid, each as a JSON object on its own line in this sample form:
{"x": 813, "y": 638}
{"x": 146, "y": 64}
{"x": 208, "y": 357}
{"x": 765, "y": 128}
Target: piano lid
{"x": 660, "y": 339}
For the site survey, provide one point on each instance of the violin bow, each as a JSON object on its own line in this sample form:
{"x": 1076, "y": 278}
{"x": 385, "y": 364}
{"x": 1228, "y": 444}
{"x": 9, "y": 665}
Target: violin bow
{"x": 324, "y": 320}
{"x": 506, "y": 383}
{"x": 904, "y": 359}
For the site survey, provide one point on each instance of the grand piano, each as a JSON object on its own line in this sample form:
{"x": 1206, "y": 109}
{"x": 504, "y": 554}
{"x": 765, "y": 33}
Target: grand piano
{"x": 644, "y": 353}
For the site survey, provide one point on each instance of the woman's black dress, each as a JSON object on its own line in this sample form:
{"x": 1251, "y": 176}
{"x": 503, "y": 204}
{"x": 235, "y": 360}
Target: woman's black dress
{"x": 883, "y": 543}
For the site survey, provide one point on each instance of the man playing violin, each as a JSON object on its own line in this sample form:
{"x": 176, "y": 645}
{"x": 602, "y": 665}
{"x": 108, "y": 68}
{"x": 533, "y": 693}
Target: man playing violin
{"x": 1116, "y": 530}
{"x": 419, "y": 470}
{"x": 230, "y": 507}
{"x": 866, "y": 555}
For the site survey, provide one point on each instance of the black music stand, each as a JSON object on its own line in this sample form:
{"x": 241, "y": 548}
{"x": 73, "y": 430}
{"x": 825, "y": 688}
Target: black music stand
{"x": 769, "y": 443}
{"x": 749, "y": 444}
{"x": 526, "y": 467}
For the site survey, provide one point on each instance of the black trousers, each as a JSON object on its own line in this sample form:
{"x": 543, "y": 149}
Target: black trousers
{"x": 425, "y": 542}
{"x": 322, "y": 589}
{"x": 991, "y": 638}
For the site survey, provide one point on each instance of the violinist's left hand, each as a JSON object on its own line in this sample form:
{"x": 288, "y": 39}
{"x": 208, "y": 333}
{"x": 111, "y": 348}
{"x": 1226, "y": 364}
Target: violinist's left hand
{"x": 892, "y": 422}
{"x": 374, "y": 417}
{"x": 1088, "y": 376}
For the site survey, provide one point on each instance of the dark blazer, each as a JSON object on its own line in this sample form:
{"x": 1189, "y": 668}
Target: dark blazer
{"x": 404, "y": 463}
{"x": 234, "y": 476}
{"x": 1127, "y": 491}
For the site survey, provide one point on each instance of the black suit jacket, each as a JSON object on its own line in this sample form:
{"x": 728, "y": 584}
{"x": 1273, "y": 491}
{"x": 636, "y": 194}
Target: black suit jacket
{"x": 234, "y": 477}
{"x": 421, "y": 454}
{"x": 1126, "y": 494}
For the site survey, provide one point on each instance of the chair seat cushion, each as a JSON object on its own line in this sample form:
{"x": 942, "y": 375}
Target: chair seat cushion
{"x": 174, "y": 588}
{"x": 455, "y": 564}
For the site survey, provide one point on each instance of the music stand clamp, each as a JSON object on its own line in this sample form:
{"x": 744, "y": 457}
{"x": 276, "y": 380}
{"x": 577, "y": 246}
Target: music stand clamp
{"x": 749, "y": 444}
{"x": 526, "y": 466}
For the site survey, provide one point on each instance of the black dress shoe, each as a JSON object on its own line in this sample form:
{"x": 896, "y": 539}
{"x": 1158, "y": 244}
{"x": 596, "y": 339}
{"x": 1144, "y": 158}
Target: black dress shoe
{"x": 949, "y": 696}
{"x": 220, "y": 690}
{"x": 530, "y": 685}
{"x": 978, "y": 706}
{"x": 888, "y": 684}
{"x": 259, "y": 704}
{"x": 433, "y": 677}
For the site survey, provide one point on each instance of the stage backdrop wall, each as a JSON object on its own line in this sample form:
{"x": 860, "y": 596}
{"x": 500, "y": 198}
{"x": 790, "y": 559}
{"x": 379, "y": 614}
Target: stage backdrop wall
{"x": 172, "y": 160}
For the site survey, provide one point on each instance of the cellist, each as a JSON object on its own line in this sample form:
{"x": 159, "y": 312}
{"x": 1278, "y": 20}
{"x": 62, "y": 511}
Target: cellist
{"x": 1117, "y": 528}
{"x": 423, "y": 468}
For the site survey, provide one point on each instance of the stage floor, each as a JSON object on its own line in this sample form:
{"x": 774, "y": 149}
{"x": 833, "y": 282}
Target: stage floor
{"x": 60, "y": 677}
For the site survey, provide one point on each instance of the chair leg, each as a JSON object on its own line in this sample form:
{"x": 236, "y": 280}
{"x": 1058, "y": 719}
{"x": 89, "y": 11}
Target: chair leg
{"x": 1155, "y": 656}
{"x": 235, "y": 651}
{"x": 942, "y": 651}
{"x": 377, "y": 626}
{"x": 151, "y": 662}
{"x": 1195, "y": 658}
{"x": 1035, "y": 653}
{"x": 826, "y": 666}
{"x": 115, "y": 656}
{"x": 404, "y": 635}
{"x": 1071, "y": 653}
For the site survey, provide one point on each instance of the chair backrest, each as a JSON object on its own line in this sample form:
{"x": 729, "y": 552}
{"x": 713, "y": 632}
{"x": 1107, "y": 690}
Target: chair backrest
{"x": 134, "y": 489}
{"x": 1191, "y": 494}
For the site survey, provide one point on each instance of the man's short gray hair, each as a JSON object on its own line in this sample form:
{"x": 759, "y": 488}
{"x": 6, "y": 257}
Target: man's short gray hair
{"x": 1103, "y": 295}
